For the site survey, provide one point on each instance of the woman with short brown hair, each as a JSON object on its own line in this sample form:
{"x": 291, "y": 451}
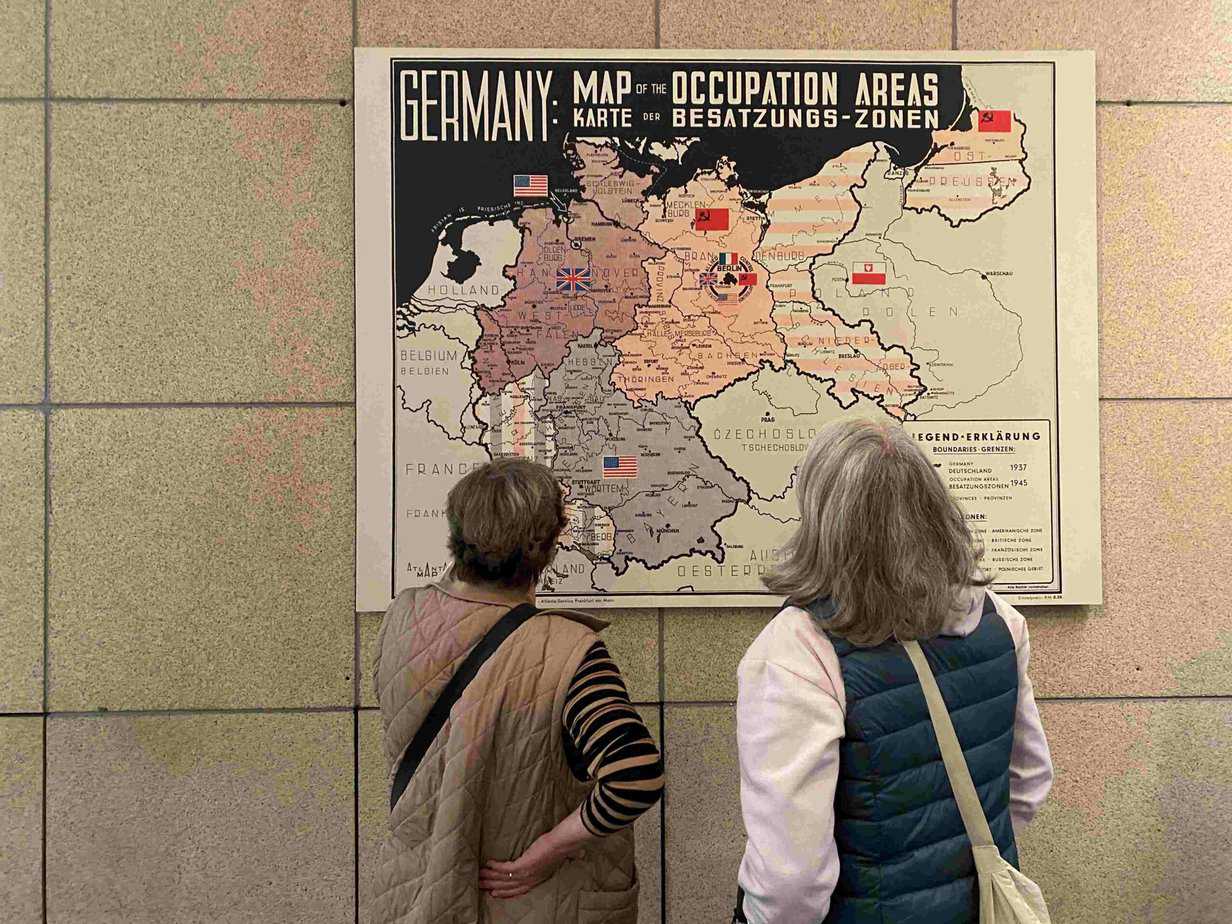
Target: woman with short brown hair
{"x": 849, "y": 812}
{"x": 519, "y": 808}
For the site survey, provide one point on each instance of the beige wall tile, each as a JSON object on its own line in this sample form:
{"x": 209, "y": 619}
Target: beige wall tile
{"x": 22, "y": 27}
{"x": 701, "y": 649}
{"x": 1158, "y": 49}
{"x": 784, "y": 24}
{"x": 524, "y": 24}
{"x": 201, "y": 48}
{"x": 373, "y": 806}
{"x": 374, "y": 812}
{"x": 1165, "y": 281}
{"x": 201, "y": 558}
{"x": 21, "y": 807}
{"x": 1165, "y": 626}
{"x": 369, "y": 626}
{"x": 1135, "y": 828}
{"x": 21, "y": 551}
{"x": 200, "y": 818}
{"x": 705, "y": 834}
{"x": 633, "y": 641}
{"x": 21, "y": 251}
{"x": 201, "y": 253}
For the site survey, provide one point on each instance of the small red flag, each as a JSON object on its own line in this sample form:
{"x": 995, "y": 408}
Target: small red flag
{"x": 868, "y": 274}
{"x": 746, "y": 279}
{"x": 710, "y": 219}
{"x": 995, "y": 120}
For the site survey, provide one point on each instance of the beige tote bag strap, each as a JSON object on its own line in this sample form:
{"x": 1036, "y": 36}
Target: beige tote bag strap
{"x": 951, "y": 752}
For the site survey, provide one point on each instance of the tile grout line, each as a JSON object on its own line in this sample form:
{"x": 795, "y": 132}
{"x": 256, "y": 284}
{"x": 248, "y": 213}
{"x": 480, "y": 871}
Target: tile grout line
{"x": 357, "y": 695}
{"x": 47, "y": 406}
{"x": 204, "y": 710}
{"x": 46, "y": 418}
{"x": 658, "y": 23}
{"x": 355, "y": 806}
{"x": 199, "y": 100}
{"x": 953, "y": 25}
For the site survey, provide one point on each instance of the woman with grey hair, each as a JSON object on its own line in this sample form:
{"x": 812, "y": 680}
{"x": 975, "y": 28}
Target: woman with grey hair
{"x": 519, "y": 762}
{"x": 849, "y": 812}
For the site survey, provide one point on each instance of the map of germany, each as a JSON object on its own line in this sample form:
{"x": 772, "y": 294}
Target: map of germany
{"x": 666, "y": 319}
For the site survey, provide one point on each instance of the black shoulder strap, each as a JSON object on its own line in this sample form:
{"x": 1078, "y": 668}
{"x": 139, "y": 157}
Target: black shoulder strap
{"x": 461, "y": 679}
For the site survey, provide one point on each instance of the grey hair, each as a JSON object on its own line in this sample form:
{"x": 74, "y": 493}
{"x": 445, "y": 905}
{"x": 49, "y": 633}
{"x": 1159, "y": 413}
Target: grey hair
{"x": 879, "y": 533}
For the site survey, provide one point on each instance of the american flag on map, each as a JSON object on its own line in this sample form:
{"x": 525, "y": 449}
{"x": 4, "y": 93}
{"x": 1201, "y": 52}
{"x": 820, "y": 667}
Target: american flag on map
{"x": 530, "y": 185}
{"x": 620, "y": 466}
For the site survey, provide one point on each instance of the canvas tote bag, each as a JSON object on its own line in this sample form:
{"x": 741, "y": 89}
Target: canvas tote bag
{"x": 1006, "y": 895}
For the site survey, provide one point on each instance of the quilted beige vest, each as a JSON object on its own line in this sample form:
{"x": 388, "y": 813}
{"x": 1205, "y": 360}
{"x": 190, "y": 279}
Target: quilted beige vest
{"x": 496, "y": 777}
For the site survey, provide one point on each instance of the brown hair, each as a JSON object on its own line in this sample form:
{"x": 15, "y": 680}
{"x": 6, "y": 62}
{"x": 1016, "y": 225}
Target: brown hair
{"x": 879, "y": 533}
{"x": 504, "y": 520}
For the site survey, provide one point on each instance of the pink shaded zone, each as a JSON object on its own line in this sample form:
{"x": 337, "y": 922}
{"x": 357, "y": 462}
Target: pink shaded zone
{"x": 284, "y": 40}
{"x": 255, "y": 444}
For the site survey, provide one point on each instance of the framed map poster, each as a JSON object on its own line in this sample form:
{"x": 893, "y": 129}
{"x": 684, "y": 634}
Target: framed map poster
{"x": 662, "y": 272}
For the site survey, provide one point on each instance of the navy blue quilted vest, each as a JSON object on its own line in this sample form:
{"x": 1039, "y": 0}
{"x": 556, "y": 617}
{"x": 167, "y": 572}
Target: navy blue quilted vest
{"x": 904, "y": 856}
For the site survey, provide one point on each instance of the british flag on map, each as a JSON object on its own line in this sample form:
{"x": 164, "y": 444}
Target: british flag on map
{"x": 573, "y": 279}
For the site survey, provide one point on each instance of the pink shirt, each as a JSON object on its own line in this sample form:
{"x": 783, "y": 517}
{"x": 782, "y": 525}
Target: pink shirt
{"x": 789, "y": 719}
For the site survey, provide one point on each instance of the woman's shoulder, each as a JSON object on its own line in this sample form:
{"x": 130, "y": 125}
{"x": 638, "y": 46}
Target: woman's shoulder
{"x": 793, "y": 641}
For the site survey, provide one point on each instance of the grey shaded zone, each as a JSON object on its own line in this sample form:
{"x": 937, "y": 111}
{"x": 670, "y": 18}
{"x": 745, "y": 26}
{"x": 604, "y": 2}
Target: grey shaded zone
{"x": 681, "y": 491}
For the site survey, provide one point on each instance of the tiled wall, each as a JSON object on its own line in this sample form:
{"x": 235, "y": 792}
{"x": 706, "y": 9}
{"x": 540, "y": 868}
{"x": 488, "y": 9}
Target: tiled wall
{"x": 185, "y": 732}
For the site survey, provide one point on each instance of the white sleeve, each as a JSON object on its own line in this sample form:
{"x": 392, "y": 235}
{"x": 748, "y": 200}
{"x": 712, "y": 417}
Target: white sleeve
{"x": 788, "y": 731}
{"x": 1030, "y": 760}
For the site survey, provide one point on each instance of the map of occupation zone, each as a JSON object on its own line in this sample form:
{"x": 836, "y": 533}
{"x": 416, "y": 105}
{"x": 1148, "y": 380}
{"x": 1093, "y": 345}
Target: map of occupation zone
{"x": 705, "y": 332}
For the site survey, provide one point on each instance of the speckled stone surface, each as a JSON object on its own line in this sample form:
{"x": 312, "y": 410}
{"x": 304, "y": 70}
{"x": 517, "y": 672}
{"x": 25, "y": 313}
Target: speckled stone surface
{"x": 1158, "y": 49}
{"x": 200, "y": 818}
{"x": 633, "y": 641}
{"x": 21, "y": 551}
{"x": 504, "y": 24}
{"x": 21, "y": 252}
{"x": 374, "y": 812}
{"x": 701, "y": 649}
{"x": 201, "y": 48}
{"x": 201, "y": 252}
{"x": 1136, "y": 826}
{"x": 784, "y": 24}
{"x": 373, "y": 805}
{"x": 21, "y": 834}
{"x": 21, "y": 47}
{"x": 369, "y": 626}
{"x": 201, "y": 558}
{"x": 1166, "y": 623}
{"x": 1165, "y": 271}
{"x": 705, "y": 834}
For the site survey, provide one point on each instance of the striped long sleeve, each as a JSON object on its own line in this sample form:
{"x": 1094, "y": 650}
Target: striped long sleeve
{"x": 606, "y": 741}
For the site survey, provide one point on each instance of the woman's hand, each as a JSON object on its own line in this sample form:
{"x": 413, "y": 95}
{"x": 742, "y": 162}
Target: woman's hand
{"x": 540, "y": 861}
{"x": 517, "y": 877}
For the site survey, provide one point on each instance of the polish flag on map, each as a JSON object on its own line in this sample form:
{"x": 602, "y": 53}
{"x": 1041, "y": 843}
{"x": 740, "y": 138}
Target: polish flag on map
{"x": 995, "y": 120}
{"x": 710, "y": 219}
{"x": 868, "y": 274}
